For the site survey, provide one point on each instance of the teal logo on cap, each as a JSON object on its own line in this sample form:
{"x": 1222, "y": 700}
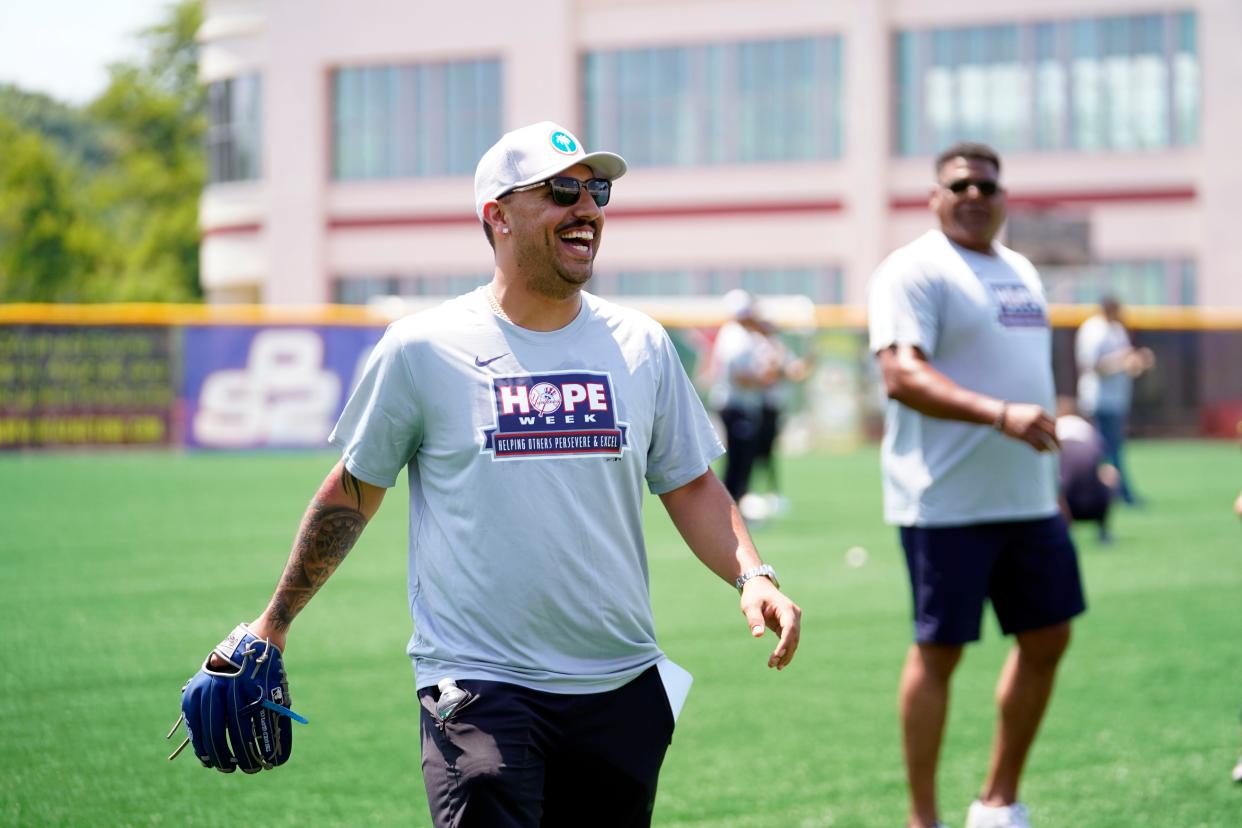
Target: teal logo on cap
{"x": 564, "y": 143}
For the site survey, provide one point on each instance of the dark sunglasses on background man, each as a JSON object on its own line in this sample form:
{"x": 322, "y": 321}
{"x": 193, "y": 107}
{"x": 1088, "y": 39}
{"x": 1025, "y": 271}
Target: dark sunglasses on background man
{"x": 566, "y": 190}
{"x": 985, "y": 187}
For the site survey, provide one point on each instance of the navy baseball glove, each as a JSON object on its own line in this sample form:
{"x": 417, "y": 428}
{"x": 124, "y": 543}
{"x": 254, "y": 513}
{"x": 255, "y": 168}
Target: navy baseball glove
{"x": 237, "y": 716}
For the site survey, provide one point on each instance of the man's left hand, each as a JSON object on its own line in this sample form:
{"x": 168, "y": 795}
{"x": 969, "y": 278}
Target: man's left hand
{"x": 766, "y": 606}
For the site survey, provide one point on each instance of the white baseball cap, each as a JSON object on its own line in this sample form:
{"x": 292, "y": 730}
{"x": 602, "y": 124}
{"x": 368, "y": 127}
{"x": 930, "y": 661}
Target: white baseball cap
{"x": 534, "y": 153}
{"x": 738, "y": 304}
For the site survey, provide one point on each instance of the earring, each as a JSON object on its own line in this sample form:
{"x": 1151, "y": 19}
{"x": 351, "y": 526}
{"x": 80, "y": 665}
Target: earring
{"x": 505, "y": 230}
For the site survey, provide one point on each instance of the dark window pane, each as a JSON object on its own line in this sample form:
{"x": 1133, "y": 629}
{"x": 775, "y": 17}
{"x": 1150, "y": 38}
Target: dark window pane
{"x": 234, "y": 129}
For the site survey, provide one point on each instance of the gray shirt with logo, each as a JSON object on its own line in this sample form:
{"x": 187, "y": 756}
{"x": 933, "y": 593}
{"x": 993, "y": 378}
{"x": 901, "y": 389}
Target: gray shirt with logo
{"x": 526, "y": 455}
{"x": 982, "y": 321}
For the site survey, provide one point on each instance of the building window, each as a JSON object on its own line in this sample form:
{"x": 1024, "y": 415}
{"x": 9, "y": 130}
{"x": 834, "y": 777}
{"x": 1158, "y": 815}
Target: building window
{"x": 1142, "y": 282}
{"x": 234, "y": 121}
{"x": 751, "y": 102}
{"x": 822, "y": 285}
{"x": 647, "y": 283}
{"x": 1186, "y": 79}
{"x": 360, "y": 289}
{"x": 1091, "y": 84}
{"x": 419, "y": 120}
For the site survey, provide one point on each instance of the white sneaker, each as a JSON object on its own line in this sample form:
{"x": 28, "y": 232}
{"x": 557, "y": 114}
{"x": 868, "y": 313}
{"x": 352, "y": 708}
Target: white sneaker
{"x": 1237, "y": 771}
{"x": 778, "y": 505}
{"x": 999, "y": 816}
{"x": 754, "y": 508}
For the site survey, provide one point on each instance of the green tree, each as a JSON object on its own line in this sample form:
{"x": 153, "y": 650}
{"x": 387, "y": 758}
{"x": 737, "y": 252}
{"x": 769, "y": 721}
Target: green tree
{"x": 46, "y": 249}
{"x": 66, "y": 127}
{"x": 153, "y": 113}
{"x": 101, "y": 204}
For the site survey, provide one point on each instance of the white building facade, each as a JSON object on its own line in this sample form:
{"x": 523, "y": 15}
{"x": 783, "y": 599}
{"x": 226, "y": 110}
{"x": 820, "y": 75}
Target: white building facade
{"x": 784, "y": 146}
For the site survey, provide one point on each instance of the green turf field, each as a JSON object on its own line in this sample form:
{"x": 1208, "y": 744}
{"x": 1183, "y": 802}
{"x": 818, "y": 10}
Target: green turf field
{"x": 121, "y": 570}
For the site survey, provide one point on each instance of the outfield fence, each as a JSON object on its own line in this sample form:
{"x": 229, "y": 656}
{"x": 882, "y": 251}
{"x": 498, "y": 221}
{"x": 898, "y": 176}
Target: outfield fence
{"x": 246, "y": 377}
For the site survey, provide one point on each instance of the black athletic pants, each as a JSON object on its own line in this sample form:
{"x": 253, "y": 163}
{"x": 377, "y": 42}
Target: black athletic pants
{"x": 512, "y": 757}
{"x": 742, "y": 434}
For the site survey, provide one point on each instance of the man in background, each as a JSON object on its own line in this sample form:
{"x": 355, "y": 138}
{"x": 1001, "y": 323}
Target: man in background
{"x": 743, "y": 372}
{"x": 1107, "y": 366}
{"x": 959, "y": 326}
{"x": 792, "y": 369}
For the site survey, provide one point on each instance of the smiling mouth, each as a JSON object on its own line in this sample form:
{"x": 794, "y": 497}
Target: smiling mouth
{"x": 579, "y": 240}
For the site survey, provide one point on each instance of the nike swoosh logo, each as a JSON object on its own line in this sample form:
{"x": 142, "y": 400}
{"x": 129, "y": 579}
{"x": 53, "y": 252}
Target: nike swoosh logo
{"x": 485, "y": 362}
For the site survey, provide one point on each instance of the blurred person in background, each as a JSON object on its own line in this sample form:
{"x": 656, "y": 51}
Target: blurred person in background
{"x": 1086, "y": 482}
{"x": 959, "y": 327}
{"x": 529, "y": 415}
{"x": 792, "y": 370}
{"x": 1107, "y": 366}
{"x": 743, "y": 371}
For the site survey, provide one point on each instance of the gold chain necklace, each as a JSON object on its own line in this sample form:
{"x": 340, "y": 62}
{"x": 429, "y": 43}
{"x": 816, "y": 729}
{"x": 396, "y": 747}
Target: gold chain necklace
{"x": 495, "y": 303}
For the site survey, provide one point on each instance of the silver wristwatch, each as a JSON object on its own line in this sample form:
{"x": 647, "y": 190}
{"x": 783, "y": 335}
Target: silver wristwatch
{"x": 754, "y": 572}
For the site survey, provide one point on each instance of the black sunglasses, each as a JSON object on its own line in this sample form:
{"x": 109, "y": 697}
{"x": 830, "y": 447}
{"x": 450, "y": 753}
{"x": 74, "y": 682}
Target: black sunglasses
{"x": 566, "y": 190}
{"x": 986, "y": 187}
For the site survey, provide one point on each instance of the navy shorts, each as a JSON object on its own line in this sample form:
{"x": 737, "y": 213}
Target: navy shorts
{"x": 512, "y": 757}
{"x": 1028, "y": 570}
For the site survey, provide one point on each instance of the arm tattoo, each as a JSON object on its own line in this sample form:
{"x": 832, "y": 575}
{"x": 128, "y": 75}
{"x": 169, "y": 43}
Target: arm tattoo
{"x": 324, "y": 539}
{"x": 352, "y": 487}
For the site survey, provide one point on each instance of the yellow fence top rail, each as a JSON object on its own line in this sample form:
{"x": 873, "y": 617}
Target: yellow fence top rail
{"x": 154, "y": 313}
{"x": 708, "y": 315}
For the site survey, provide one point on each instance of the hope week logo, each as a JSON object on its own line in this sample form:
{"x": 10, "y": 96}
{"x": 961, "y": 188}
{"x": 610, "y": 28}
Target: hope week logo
{"x": 557, "y": 414}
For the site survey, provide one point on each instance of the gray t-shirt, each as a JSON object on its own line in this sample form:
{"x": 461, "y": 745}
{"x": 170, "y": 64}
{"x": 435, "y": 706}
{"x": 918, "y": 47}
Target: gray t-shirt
{"x": 1098, "y": 338}
{"x": 526, "y": 454}
{"x": 738, "y": 350}
{"x": 981, "y": 321}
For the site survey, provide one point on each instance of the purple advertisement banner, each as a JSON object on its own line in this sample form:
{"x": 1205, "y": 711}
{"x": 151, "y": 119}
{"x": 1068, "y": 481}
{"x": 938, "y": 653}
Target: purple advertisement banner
{"x": 248, "y": 386}
{"x": 66, "y": 385}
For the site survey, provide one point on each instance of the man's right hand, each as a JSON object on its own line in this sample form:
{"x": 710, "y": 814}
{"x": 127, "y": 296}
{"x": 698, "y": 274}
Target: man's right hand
{"x": 764, "y": 605}
{"x": 1139, "y": 361}
{"x": 1032, "y": 425}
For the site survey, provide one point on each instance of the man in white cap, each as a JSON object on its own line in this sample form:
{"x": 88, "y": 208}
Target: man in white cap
{"x": 528, "y": 415}
{"x": 743, "y": 373}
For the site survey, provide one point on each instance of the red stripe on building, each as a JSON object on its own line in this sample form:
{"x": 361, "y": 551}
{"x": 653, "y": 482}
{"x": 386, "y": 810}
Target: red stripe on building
{"x": 1054, "y": 199}
{"x": 752, "y": 208}
{"x": 669, "y": 211}
{"x": 232, "y": 229}
{"x": 381, "y": 222}
{"x": 740, "y": 209}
